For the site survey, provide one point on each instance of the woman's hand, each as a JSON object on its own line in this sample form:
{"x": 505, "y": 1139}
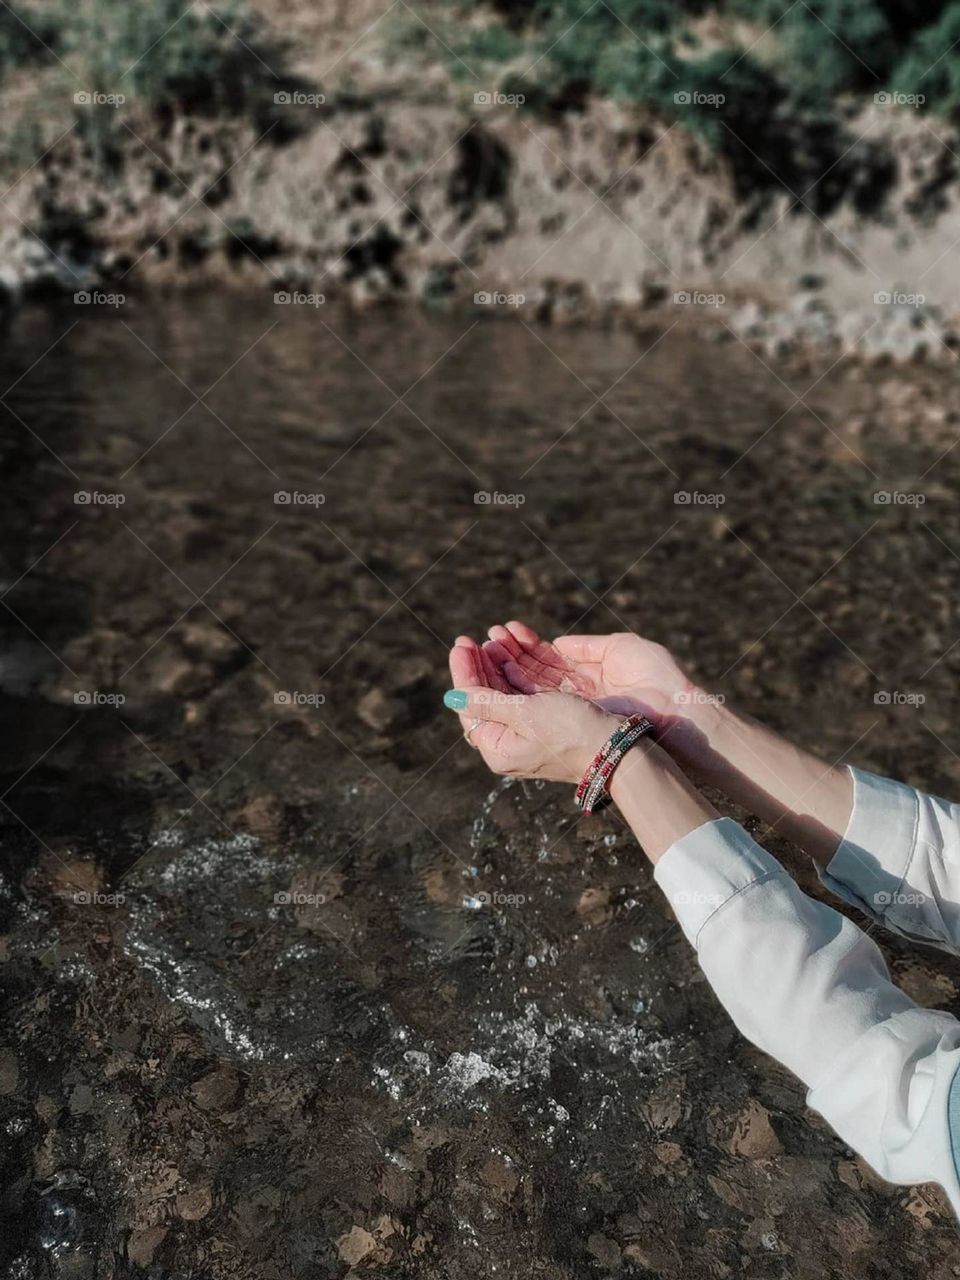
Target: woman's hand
{"x": 548, "y": 734}
{"x": 622, "y": 673}
{"x": 555, "y": 735}
{"x": 808, "y": 801}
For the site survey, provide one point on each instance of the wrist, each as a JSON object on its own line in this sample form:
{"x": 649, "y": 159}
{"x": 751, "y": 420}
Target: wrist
{"x": 657, "y": 799}
{"x": 646, "y": 760}
{"x": 708, "y": 714}
{"x": 589, "y": 748}
{"x": 619, "y": 739}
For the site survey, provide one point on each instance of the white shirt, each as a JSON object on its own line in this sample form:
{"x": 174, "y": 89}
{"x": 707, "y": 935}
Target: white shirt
{"x": 806, "y": 985}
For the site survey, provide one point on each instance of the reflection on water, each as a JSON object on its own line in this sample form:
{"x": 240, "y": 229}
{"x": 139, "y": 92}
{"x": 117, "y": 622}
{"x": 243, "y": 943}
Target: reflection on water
{"x": 263, "y": 904}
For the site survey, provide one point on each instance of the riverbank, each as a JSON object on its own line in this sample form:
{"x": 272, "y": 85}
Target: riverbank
{"x": 367, "y": 178}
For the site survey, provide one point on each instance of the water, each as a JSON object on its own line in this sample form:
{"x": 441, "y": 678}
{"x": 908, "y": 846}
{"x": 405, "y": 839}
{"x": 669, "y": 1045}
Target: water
{"x": 281, "y": 952}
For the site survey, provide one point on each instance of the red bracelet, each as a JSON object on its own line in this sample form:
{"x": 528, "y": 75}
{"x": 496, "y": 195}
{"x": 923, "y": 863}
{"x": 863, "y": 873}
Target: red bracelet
{"x": 593, "y": 791}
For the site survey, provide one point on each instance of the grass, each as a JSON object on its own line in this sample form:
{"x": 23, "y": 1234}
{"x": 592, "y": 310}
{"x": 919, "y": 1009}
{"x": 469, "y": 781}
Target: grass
{"x": 768, "y": 82}
{"x": 169, "y": 58}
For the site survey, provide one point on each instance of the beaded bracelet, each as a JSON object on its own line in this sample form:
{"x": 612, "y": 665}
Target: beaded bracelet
{"x": 623, "y": 728}
{"x": 592, "y": 793}
{"x": 598, "y": 795}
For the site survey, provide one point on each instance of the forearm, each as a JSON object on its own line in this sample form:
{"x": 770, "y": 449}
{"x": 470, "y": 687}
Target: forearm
{"x": 891, "y": 851}
{"x": 657, "y": 800}
{"x": 800, "y": 981}
{"x": 808, "y": 987}
{"x": 808, "y": 801}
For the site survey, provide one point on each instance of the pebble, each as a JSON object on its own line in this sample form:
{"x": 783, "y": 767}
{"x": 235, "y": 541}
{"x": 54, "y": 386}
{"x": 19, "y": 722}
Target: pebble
{"x": 900, "y": 332}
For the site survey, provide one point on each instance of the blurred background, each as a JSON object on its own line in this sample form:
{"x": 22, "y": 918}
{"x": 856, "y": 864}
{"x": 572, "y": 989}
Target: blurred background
{"x": 333, "y": 331}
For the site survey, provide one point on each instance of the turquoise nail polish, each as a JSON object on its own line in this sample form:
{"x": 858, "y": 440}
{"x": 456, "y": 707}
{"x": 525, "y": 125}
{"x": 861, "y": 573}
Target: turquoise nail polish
{"x": 455, "y": 699}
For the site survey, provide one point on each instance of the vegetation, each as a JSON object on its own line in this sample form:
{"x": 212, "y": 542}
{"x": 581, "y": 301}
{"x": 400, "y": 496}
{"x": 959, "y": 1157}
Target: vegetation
{"x": 171, "y": 56}
{"x": 766, "y": 81}
{"x": 803, "y": 55}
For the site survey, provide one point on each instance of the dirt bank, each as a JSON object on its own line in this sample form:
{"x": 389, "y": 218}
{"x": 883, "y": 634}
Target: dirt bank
{"x": 398, "y": 182}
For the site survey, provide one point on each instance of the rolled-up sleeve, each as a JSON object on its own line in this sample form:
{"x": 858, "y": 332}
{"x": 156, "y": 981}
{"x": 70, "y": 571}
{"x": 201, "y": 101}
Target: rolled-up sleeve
{"x": 899, "y": 861}
{"x": 804, "y": 984}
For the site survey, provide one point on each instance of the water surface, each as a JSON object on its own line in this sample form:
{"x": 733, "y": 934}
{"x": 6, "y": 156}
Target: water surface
{"x": 269, "y": 1017}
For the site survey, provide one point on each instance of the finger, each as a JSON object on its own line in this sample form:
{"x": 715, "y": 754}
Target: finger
{"x": 487, "y": 705}
{"x": 519, "y": 679}
{"x": 523, "y": 634}
{"x": 546, "y": 674}
{"x": 509, "y": 642}
{"x": 464, "y": 662}
{"x": 486, "y": 737}
{"x": 522, "y": 673}
{"x": 540, "y": 650}
{"x": 492, "y": 665}
{"x": 582, "y": 648}
{"x": 498, "y": 653}
{"x": 536, "y": 664}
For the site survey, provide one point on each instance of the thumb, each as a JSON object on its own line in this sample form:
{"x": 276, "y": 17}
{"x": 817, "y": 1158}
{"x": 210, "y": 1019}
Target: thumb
{"x": 582, "y": 648}
{"x": 485, "y": 704}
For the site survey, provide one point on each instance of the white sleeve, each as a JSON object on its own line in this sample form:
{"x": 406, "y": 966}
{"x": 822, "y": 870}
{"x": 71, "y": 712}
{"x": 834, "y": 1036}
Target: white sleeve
{"x": 804, "y": 984}
{"x": 899, "y": 861}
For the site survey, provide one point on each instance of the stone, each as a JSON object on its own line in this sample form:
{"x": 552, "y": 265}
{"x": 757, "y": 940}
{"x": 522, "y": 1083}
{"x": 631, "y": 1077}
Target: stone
{"x": 356, "y": 1245}
{"x": 753, "y": 1135}
{"x": 219, "y": 1090}
{"x": 379, "y": 711}
{"x": 194, "y": 1204}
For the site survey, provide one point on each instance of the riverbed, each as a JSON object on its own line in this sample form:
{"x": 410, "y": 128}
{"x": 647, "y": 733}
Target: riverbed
{"x": 296, "y": 986}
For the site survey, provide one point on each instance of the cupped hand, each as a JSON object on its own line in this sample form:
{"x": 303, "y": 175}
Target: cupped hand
{"x": 548, "y": 734}
{"x": 622, "y": 672}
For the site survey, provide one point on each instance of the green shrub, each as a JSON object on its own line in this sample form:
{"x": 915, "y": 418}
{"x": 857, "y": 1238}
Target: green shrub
{"x": 817, "y": 48}
{"x": 169, "y": 55}
{"x": 931, "y": 66}
{"x": 25, "y": 36}
{"x": 832, "y": 46}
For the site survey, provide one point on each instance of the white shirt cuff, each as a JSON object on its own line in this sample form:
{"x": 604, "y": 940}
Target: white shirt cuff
{"x": 707, "y": 867}
{"x": 871, "y": 861}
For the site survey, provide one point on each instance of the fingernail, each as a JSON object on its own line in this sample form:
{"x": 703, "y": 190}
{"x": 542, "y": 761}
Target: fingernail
{"x": 455, "y": 699}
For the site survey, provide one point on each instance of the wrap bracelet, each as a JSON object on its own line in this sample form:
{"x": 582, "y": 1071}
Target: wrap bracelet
{"x": 593, "y": 792}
